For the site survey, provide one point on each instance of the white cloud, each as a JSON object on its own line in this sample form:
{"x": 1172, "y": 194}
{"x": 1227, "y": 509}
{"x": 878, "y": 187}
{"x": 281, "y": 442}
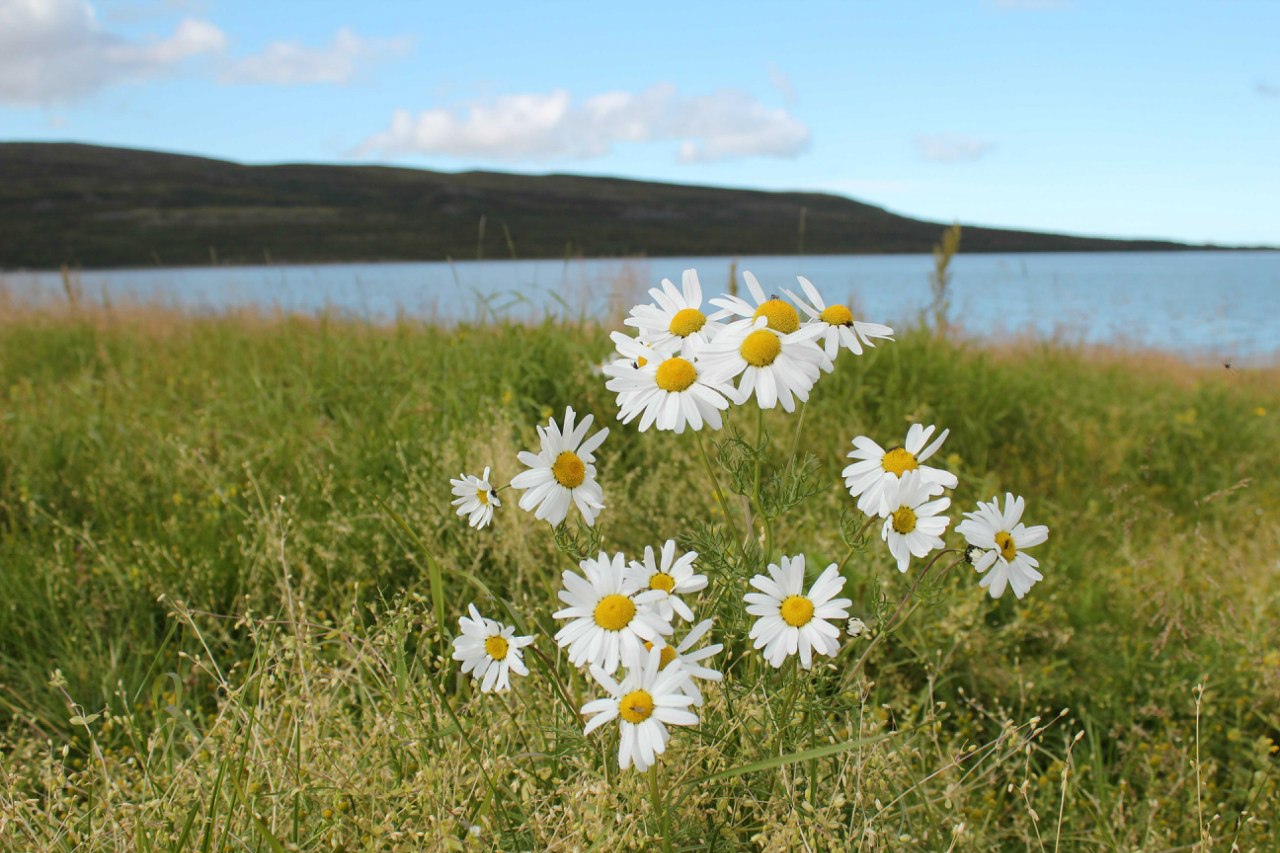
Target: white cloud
{"x": 952, "y": 148}
{"x": 552, "y": 126}
{"x": 53, "y": 51}
{"x": 782, "y": 82}
{"x": 290, "y": 63}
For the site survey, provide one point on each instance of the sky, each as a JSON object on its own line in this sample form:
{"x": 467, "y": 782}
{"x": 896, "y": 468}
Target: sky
{"x": 1127, "y": 119}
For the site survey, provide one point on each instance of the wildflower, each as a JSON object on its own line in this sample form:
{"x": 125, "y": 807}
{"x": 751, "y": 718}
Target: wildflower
{"x": 691, "y": 660}
{"x": 780, "y": 316}
{"x": 668, "y": 578}
{"x": 834, "y": 325}
{"x": 868, "y": 478}
{"x": 855, "y": 627}
{"x": 489, "y": 650}
{"x": 648, "y": 699}
{"x": 608, "y": 623}
{"x": 676, "y": 324}
{"x": 776, "y": 368}
{"x": 562, "y": 472}
{"x": 996, "y": 540}
{"x": 791, "y": 621}
{"x": 912, "y": 525}
{"x": 476, "y": 498}
{"x": 669, "y": 391}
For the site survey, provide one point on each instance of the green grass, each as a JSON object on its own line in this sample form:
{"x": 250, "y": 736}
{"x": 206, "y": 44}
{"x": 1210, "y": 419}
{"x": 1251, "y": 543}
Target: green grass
{"x": 214, "y": 637}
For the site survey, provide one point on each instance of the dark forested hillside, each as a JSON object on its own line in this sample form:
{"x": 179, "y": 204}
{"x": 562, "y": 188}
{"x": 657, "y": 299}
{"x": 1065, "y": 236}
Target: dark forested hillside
{"x": 98, "y": 207}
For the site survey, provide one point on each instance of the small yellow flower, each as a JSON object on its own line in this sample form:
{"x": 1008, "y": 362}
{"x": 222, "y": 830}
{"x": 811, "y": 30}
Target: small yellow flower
{"x": 1260, "y": 412}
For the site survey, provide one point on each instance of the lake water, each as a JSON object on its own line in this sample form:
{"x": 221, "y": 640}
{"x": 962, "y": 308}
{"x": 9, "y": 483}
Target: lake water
{"x": 1206, "y": 304}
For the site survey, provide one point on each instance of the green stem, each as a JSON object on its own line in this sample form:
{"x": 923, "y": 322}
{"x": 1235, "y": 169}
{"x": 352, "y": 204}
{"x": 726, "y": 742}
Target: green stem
{"x": 795, "y": 439}
{"x": 655, "y": 796}
{"x": 715, "y": 485}
{"x": 892, "y": 623}
{"x": 852, "y": 545}
{"x": 768, "y": 525}
{"x": 790, "y": 703}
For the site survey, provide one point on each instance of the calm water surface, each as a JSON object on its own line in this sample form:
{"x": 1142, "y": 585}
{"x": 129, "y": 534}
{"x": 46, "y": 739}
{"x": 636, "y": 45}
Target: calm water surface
{"x": 1209, "y": 304}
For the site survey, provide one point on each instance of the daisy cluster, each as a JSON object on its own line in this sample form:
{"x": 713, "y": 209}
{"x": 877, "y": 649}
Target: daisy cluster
{"x": 630, "y": 625}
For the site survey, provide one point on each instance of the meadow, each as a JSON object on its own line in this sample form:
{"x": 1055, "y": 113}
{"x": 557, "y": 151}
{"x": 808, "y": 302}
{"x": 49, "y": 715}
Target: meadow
{"x": 226, "y": 544}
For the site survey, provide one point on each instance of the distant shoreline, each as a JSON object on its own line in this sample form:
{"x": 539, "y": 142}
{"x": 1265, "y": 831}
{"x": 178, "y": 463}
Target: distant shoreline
{"x": 279, "y": 263}
{"x": 93, "y": 207}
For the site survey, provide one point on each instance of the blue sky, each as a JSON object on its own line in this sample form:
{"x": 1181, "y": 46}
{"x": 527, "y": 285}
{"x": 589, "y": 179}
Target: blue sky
{"x": 1126, "y": 119}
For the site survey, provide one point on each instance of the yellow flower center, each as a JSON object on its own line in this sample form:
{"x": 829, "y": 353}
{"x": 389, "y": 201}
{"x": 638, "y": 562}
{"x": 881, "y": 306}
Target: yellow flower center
{"x": 496, "y": 647}
{"x": 663, "y": 581}
{"x": 837, "y": 315}
{"x": 782, "y": 317}
{"x": 904, "y": 520}
{"x": 760, "y": 348}
{"x": 1007, "y": 549}
{"x": 482, "y": 496}
{"x": 569, "y": 470}
{"x": 641, "y": 361}
{"x": 796, "y": 611}
{"x": 898, "y": 460}
{"x": 636, "y": 706}
{"x": 676, "y": 374}
{"x": 615, "y": 612}
{"x": 687, "y": 321}
{"x": 666, "y": 654}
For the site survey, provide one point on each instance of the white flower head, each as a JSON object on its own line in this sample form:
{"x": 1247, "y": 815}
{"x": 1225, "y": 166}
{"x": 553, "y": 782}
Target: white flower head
{"x": 691, "y": 659}
{"x": 781, "y": 317}
{"x": 490, "y": 651}
{"x": 775, "y": 368}
{"x": 669, "y": 391}
{"x": 867, "y": 478}
{"x": 608, "y": 623}
{"x": 913, "y": 525}
{"x": 834, "y": 325}
{"x": 668, "y": 579}
{"x": 676, "y": 323}
{"x": 562, "y": 472}
{"x": 1000, "y": 536}
{"x": 649, "y": 698}
{"x": 791, "y": 621}
{"x": 855, "y": 628}
{"x": 476, "y": 498}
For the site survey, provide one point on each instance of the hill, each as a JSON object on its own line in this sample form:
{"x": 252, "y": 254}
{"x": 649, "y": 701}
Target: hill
{"x": 92, "y": 206}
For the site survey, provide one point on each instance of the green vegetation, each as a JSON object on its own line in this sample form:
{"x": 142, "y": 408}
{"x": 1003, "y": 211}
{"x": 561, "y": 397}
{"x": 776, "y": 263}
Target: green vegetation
{"x": 213, "y": 637}
{"x": 89, "y": 206}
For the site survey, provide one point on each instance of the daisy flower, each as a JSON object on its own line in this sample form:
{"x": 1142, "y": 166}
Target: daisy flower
{"x": 1001, "y": 537}
{"x": 668, "y": 578}
{"x": 792, "y": 621}
{"x": 913, "y": 525}
{"x": 834, "y": 325}
{"x": 776, "y": 368}
{"x": 677, "y": 322}
{"x": 667, "y": 391}
{"x": 781, "y": 317}
{"x": 691, "y": 660}
{"x": 562, "y": 473}
{"x": 608, "y": 623}
{"x": 476, "y": 498}
{"x": 490, "y": 651}
{"x": 868, "y": 478}
{"x": 648, "y": 699}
